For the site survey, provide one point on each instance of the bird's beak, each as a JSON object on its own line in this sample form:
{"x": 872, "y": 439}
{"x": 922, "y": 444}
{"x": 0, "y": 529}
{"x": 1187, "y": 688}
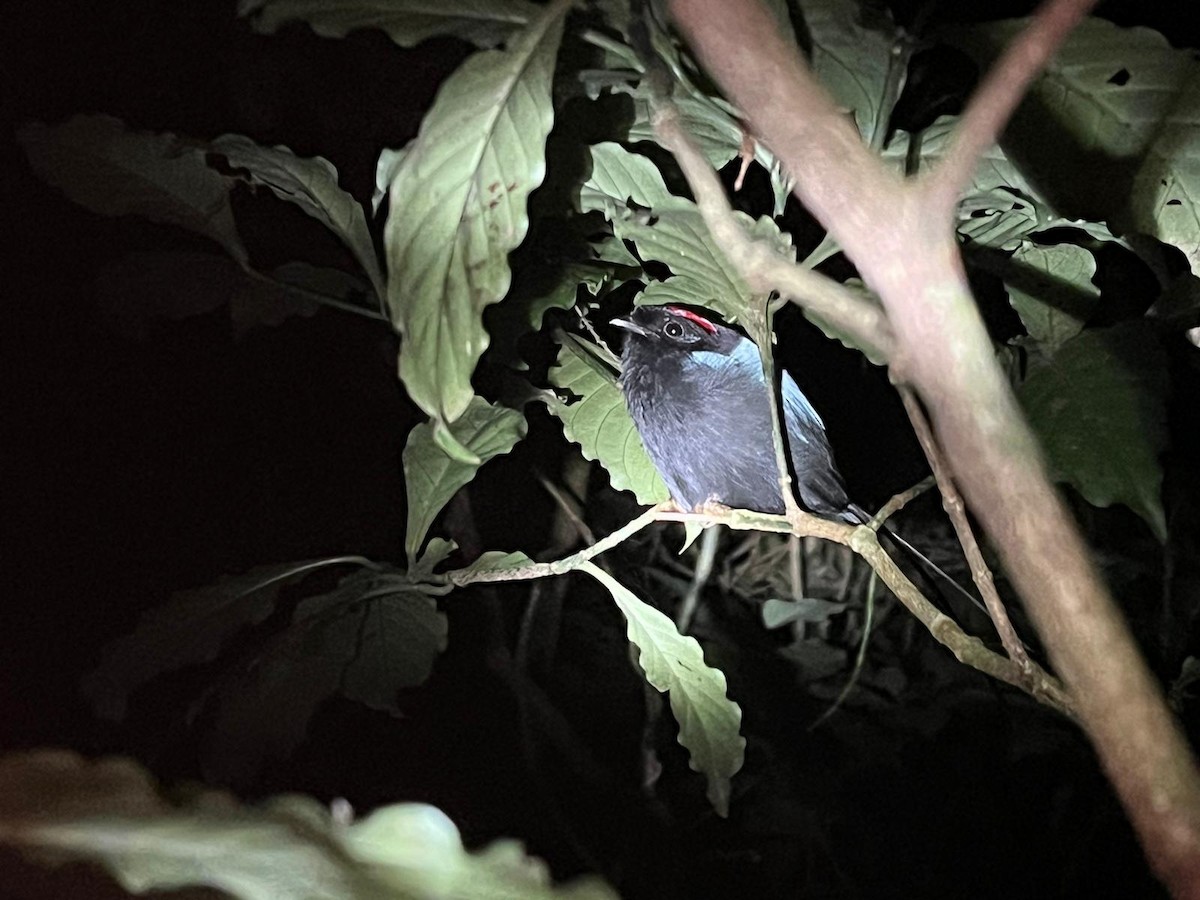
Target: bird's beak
{"x": 630, "y": 325}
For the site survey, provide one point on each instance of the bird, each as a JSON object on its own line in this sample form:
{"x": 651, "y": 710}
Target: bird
{"x": 697, "y": 395}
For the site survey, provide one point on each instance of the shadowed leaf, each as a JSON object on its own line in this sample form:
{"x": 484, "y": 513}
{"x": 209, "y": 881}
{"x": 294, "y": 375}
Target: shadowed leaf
{"x": 709, "y": 722}
{"x": 104, "y": 166}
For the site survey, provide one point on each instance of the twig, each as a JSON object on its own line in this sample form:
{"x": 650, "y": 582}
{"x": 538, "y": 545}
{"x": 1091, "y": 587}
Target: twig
{"x": 763, "y": 269}
{"x": 969, "y": 650}
{"x": 900, "y": 501}
{"x": 957, "y": 511}
{"x": 859, "y": 659}
{"x": 989, "y": 109}
{"x": 709, "y": 542}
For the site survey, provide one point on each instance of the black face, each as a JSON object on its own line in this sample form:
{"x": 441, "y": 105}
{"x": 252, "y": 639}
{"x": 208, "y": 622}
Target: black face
{"x": 675, "y": 328}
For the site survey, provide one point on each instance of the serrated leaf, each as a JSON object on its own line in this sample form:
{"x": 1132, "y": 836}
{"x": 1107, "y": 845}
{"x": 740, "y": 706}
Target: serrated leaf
{"x": 619, "y": 176}
{"x": 524, "y": 309}
{"x": 1051, "y": 289}
{"x": 601, "y": 425}
{"x": 850, "y": 58}
{"x": 110, "y": 812}
{"x": 492, "y": 562}
{"x": 671, "y": 230}
{"x": 192, "y": 627}
{"x": 712, "y": 126}
{"x": 432, "y": 476}
{"x": 1099, "y": 407}
{"x": 458, "y": 207}
{"x": 102, "y": 165}
{"x": 312, "y": 185}
{"x": 485, "y": 23}
{"x": 1121, "y": 105}
{"x": 709, "y": 722}
{"x": 342, "y": 642}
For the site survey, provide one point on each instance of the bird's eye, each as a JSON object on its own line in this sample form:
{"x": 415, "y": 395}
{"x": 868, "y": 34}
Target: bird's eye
{"x": 673, "y": 330}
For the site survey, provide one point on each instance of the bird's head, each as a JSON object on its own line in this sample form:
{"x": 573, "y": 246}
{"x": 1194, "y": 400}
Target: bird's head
{"x": 667, "y": 330}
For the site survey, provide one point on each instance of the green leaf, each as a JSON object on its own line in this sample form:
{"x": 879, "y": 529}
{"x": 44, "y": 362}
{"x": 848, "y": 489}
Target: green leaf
{"x": 290, "y": 847}
{"x": 102, "y": 165}
{"x": 365, "y": 640}
{"x": 192, "y": 627}
{"x": 1116, "y": 107}
{"x": 312, "y": 185}
{"x": 417, "y": 849}
{"x": 539, "y": 292}
{"x": 600, "y": 424}
{"x": 691, "y": 531}
{"x": 998, "y": 219}
{"x": 619, "y": 176}
{"x": 671, "y": 230}
{"x": 146, "y": 286}
{"x": 709, "y": 722}
{"x": 850, "y": 58}
{"x": 484, "y": 23}
{"x": 776, "y": 613}
{"x": 1099, "y": 407}
{"x": 386, "y": 167}
{"x": 432, "y": 476}
{"x": 713, "y": 127}
{"x": 492, "y": 562}
{"x": 1051, "y": 289}
{"x": 438, "y": 550}
{"x": 458, "y": 207}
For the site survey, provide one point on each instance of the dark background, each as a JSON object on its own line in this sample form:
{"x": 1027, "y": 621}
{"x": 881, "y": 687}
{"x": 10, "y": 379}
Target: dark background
{"x": 133, "y": 468}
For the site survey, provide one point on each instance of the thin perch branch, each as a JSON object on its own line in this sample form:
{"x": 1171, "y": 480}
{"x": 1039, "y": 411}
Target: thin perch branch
{"x": 957, "y": 511}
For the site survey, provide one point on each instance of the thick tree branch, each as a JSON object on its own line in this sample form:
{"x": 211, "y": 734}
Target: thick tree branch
{"x": 904, "y": 247}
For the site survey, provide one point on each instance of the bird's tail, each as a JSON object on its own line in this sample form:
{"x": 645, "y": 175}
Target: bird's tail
{"x": 917, "y": 557}
{"x": 922, "y": 560}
